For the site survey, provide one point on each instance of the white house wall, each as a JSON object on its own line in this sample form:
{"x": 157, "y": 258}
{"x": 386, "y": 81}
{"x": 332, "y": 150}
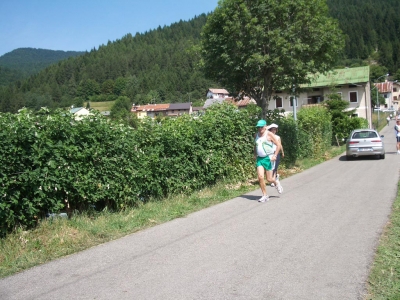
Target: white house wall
{"x": 363, "y": 107}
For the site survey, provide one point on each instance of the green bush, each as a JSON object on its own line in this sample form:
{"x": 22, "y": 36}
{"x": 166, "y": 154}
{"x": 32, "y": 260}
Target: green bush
{"x": 315, "y": 121}
{"x": 342, "y": 121}
{"x": 49, "y": 162}
{"x": 289, "y": 134}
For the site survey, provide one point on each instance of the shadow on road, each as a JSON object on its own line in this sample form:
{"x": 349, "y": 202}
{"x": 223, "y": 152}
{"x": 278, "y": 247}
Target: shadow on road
{"x": 256, "y": 197}
{"x": 371, "y": 157}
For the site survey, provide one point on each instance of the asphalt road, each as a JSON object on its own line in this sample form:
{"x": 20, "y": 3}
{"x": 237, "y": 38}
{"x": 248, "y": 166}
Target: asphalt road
{"x": 316, "y": 241}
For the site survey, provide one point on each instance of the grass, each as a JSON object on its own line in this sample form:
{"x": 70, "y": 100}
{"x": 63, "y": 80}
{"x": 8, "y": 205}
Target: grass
{"x": 384, "y": 278}
{"x": 101, "y": 106}
{"x": 382, "y": 120}
{"x": 59, "y": 237}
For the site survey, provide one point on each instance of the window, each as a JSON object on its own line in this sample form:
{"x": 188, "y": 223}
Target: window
{"x": 386, "y": 96}
{"x": 394, "y": 97}
{"x": 291, "y": 101}
{"x": 314, "y": 99}
{"x": 394, "y": 89}
{"x": 353, "y": 96}
{"x": 279, "y": 103}
{"x": 316, "y": 89}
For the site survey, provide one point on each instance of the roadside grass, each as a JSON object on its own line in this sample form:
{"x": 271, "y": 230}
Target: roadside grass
{"x": 384, "y": 278}
{"x": 101, "y": 106}
{"x": 382, "y": 120}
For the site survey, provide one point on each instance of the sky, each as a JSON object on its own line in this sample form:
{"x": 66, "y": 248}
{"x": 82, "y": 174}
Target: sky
{"x": 80, "y": 25}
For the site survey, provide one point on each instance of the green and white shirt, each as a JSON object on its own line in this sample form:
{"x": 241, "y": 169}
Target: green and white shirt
{"x": 263, "y": 146}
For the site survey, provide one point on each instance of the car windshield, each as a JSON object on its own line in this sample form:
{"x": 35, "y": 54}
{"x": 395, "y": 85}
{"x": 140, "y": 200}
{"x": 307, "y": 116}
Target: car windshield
{"x": 364, "y": 135}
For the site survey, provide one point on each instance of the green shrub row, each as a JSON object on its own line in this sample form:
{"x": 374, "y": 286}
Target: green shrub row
{"x": 50, "y": 162}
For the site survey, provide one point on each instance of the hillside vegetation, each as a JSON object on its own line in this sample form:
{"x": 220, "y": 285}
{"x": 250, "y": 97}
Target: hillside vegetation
{"x": 161, "y": 65}
{"x": 372, "y": 30}
{"x": 23, "y": 62}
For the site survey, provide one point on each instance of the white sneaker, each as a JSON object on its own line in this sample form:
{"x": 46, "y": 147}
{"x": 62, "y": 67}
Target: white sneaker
{"x": 276, "y": 180}
{"x": 263, "y": 198}
{"x": 279, "y": 188}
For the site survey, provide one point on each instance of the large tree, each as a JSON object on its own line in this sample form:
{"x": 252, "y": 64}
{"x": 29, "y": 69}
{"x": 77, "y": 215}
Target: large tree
{"x": 253, "y": 47}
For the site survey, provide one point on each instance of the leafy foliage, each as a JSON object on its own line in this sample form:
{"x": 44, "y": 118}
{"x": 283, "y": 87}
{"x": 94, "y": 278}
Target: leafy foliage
{"x": 342, "y": 120}
{"x": 257, "y": 47}
{"x": 315, "y": 121}
{"x": 50, "y": 162}
{"x": 372, "y": 30}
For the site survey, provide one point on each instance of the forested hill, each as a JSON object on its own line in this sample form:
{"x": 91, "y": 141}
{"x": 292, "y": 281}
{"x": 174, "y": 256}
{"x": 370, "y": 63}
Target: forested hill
{"x": 23, "y": 62}
{"x": 156, "y": 66}
{"x": 372, "y": 28}
{"x": 160, "y": 65}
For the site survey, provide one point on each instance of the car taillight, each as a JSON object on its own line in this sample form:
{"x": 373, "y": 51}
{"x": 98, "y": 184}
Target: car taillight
{"x": 353, "y": 142}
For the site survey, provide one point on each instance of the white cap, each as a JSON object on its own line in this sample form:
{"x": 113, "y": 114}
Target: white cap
{"x": 273, "y": 125}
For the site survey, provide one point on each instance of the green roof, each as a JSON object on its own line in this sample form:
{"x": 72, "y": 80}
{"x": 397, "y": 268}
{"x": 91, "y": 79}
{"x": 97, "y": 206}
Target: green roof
{"x": 340, "y": 76}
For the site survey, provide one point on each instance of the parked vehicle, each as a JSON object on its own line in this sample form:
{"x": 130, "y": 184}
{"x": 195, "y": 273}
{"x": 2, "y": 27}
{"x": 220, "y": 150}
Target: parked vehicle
{"x": 364, "y": 142}
{"x": 388, "y": 110}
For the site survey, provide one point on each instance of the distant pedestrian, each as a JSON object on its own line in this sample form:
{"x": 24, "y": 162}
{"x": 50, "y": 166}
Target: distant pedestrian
{"x": 397, "y": 131}
{"x": 388, "y": 120}
{"x": 265, "y": 154}
{"x": 274, "y": 129}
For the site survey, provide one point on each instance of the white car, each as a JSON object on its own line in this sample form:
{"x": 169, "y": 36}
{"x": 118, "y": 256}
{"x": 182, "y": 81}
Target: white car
{"x": 364, "y": 142}
{"x": 388, "y": 110}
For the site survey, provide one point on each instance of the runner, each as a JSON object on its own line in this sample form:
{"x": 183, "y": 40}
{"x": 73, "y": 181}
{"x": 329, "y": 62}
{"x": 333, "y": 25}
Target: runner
{"x": 397, "y": 131}
{"x": 274, "y": 129}
{"x": 265, "y": 157}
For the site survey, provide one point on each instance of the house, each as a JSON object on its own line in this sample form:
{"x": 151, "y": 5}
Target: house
{"x": 212, "y": 101}
{"x": 396, "y": 95}
{"x": 79, "y": 112}
{"x": 149, "y": 110}
{"x": 390, "y": 90}
{"x": 198, "y": 110}
{"x": 217, "y": 93}
{"x": 351, "y": 83}
{"x": 241, "y": 103}
{"x": 177, "y": 109}
{"x": 167, "y": 110}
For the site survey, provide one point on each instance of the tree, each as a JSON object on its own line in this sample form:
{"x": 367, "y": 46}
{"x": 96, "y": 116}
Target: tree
{"x": 374, "y": 98}
{"x": 107, "y": 87}
{"x": 255, "y": 47}
{"x": 343, "y": 121}
{"x": 121, "y": 111}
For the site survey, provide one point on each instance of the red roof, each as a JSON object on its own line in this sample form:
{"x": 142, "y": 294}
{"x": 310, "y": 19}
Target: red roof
{"x": 384, "y": 87}
{"x": 150, "y": 107}
{"x": 240, "y": 102}
{"x": 219, "y": 91}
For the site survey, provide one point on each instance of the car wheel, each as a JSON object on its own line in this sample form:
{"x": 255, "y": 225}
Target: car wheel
{"x": 382, "y": 156}
{"x": 349, "y": 157}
